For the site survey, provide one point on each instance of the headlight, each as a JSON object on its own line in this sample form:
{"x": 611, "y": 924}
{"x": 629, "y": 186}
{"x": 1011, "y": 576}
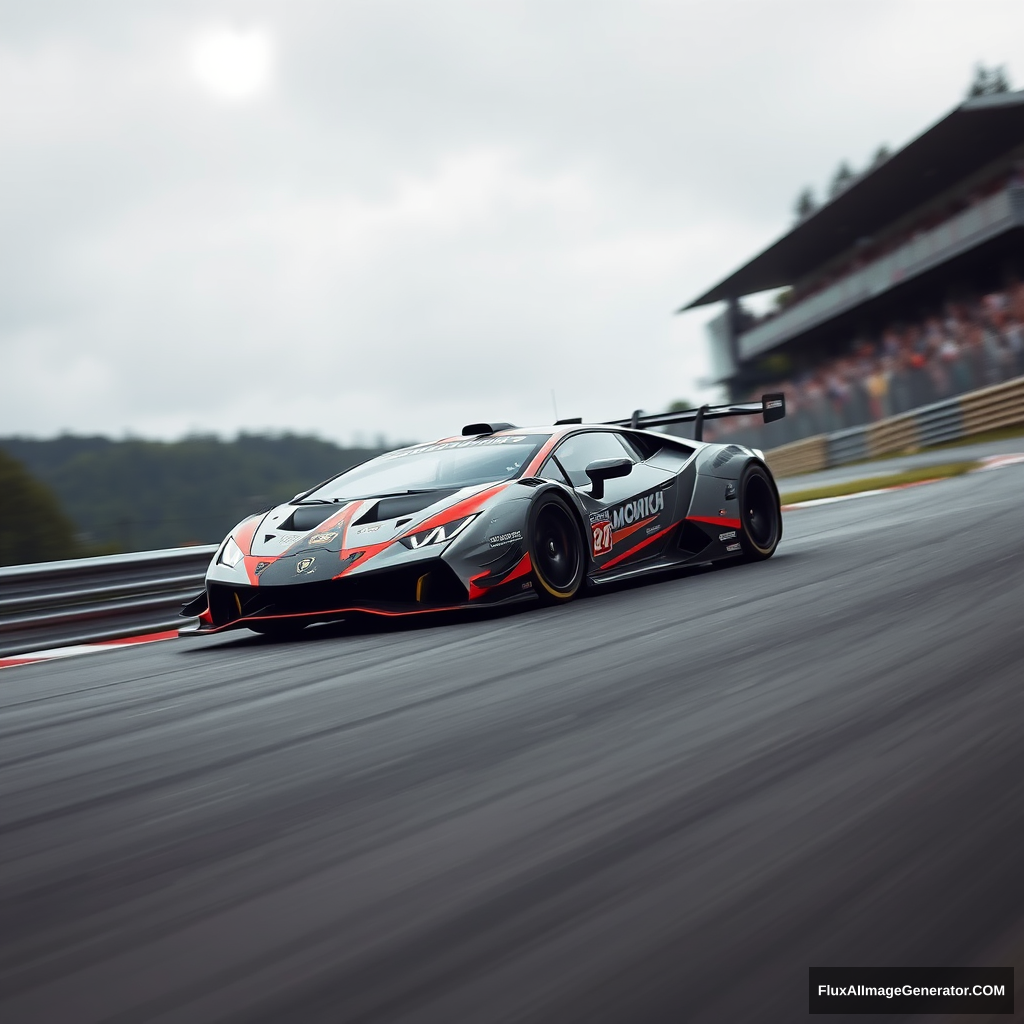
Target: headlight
{"x": 231, "y": 554}
{"x": 438, "y": 534}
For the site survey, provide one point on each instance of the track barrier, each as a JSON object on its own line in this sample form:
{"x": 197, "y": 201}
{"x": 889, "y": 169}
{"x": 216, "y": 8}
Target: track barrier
{"x": 991, "y": 408}
{"x": 85, "y": 600}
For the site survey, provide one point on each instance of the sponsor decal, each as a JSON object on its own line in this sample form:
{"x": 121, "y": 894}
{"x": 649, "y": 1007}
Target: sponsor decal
{"x": 287, "y": 540}
{"x": 501, "y": 539}
{"x": 260, "y": 566}
{"x": 304, "y": 564}
{"x": 775, "y": 403}
{"x": 728, "y": 535}
{"x": 528, "y": 585}
{"x": 369, "y": 529}
{"x": 638, "y": 508}
{"x": 733, "y": 547}
{"x": 652, "y": 529}
{"x": 601, "y": 533}
{"x": 323, "y": 538}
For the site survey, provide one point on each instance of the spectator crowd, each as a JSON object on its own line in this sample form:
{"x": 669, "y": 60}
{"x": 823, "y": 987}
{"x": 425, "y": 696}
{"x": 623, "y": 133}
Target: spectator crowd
{"x": 966, "y": 345}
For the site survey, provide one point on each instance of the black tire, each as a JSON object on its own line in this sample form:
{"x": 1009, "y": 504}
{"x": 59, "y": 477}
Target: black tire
{"x": 760, "y": 515}
{"x": 556, "y": 550}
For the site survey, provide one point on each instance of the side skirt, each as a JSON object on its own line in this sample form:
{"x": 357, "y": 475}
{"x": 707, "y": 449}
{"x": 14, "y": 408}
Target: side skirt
{"x": 655, "y": 569}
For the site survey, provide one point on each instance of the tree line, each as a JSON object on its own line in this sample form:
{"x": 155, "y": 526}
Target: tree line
{"x": 73, "y": 496}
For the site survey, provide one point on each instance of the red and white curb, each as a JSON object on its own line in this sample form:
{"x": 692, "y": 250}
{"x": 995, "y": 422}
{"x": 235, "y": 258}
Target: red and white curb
{"x": 76, "y": 649}
{"x": 997, "y": 462}
{"x": 989, "y": 462}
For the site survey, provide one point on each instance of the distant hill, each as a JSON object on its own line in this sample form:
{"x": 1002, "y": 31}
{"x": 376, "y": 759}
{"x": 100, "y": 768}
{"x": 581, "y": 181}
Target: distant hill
{"x": 139, "y": 495}
{"x": 33, "y": 528}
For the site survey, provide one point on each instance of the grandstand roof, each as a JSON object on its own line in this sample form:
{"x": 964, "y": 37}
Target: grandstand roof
{"x": 964, "y": 141}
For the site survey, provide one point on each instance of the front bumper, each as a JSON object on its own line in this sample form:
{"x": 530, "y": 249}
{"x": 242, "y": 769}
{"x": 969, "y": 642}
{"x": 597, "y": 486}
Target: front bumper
{"x": 429, "y": 586}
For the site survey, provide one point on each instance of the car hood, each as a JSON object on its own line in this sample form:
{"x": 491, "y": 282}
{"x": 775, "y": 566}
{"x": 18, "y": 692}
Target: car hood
{"x": 360, "y": 523}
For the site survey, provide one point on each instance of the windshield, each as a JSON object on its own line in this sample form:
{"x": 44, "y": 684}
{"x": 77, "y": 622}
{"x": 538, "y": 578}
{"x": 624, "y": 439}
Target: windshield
{"x": 446, "y": 464}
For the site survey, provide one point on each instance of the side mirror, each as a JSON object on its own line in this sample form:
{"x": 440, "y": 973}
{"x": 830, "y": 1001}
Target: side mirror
{"x": 606, "y": 469}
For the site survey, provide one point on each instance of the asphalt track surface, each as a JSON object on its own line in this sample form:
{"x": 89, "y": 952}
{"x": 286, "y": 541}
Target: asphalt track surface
{"x": 660, "y": 804}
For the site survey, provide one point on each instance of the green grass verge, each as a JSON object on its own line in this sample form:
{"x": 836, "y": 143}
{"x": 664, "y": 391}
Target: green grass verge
{"x": 871, "y": 483}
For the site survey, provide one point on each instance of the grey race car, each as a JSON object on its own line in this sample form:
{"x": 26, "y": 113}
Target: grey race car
{"x": 500, "y": 514}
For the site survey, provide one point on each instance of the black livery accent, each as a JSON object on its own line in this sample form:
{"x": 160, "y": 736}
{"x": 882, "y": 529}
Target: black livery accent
{"x": 485, "y": 428}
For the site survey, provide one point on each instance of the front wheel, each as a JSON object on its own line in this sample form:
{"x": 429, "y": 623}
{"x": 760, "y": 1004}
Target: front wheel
{"x": 556, "y": 551}
{"x": 760, "y": 515}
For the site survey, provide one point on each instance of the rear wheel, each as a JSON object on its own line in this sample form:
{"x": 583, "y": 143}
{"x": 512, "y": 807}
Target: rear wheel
{"x": 759, "y": 514}
{"x": 556, "y": 551}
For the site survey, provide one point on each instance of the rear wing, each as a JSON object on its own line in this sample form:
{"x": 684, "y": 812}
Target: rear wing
{"x": 771, "y": 407}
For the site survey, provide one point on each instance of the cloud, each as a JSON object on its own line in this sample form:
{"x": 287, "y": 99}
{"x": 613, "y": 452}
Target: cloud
{"x": 233, "y": 63}
{"x": 416, "y": 215}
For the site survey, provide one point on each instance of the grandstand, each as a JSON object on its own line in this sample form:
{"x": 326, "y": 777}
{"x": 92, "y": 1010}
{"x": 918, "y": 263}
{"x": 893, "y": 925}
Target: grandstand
{"x": 904, "y": 289}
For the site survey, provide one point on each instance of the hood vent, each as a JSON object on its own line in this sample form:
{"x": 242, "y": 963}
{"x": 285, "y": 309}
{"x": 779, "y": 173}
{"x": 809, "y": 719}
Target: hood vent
{"x": 402, "y": 505}
{"x": 308, "y": 517}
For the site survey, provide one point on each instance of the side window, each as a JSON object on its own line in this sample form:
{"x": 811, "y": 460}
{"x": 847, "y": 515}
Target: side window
{"x": 552, "y": 471}
{"x": 577, "y": 452}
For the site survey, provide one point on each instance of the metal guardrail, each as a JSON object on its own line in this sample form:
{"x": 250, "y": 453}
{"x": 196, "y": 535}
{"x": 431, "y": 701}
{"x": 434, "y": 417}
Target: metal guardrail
{"x": 85, "y": 600}
{"x": 847, "y": 446}
{"x": 991, "y": 408}
{"x": 940, "y": 422}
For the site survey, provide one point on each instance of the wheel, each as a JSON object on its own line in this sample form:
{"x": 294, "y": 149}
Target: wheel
{"x": 556, "y": 550}
{"x": 759, "y": 514}
{"x": 282, "y": 629}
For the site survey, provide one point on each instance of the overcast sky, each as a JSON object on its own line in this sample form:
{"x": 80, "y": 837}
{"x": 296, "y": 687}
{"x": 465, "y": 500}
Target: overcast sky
{"x": 356, "y": 219}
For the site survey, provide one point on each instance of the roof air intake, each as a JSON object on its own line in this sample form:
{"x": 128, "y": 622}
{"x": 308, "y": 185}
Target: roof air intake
{"x": 485, "y": 428}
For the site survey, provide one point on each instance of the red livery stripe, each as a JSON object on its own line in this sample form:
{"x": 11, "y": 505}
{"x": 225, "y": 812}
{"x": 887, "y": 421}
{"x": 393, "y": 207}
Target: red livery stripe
{"x": 461, "y": 508}
{"x": 636, "y": 547}
{"x": 523, "y": 567}
{"x": 723, "y": 521}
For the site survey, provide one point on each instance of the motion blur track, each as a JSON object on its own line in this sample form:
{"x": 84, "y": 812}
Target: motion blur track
{"x": 660, "y": 804}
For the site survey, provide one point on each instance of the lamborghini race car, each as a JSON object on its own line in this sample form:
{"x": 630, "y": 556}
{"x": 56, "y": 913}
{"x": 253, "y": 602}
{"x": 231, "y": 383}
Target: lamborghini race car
{"x": 498, "y": 515}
